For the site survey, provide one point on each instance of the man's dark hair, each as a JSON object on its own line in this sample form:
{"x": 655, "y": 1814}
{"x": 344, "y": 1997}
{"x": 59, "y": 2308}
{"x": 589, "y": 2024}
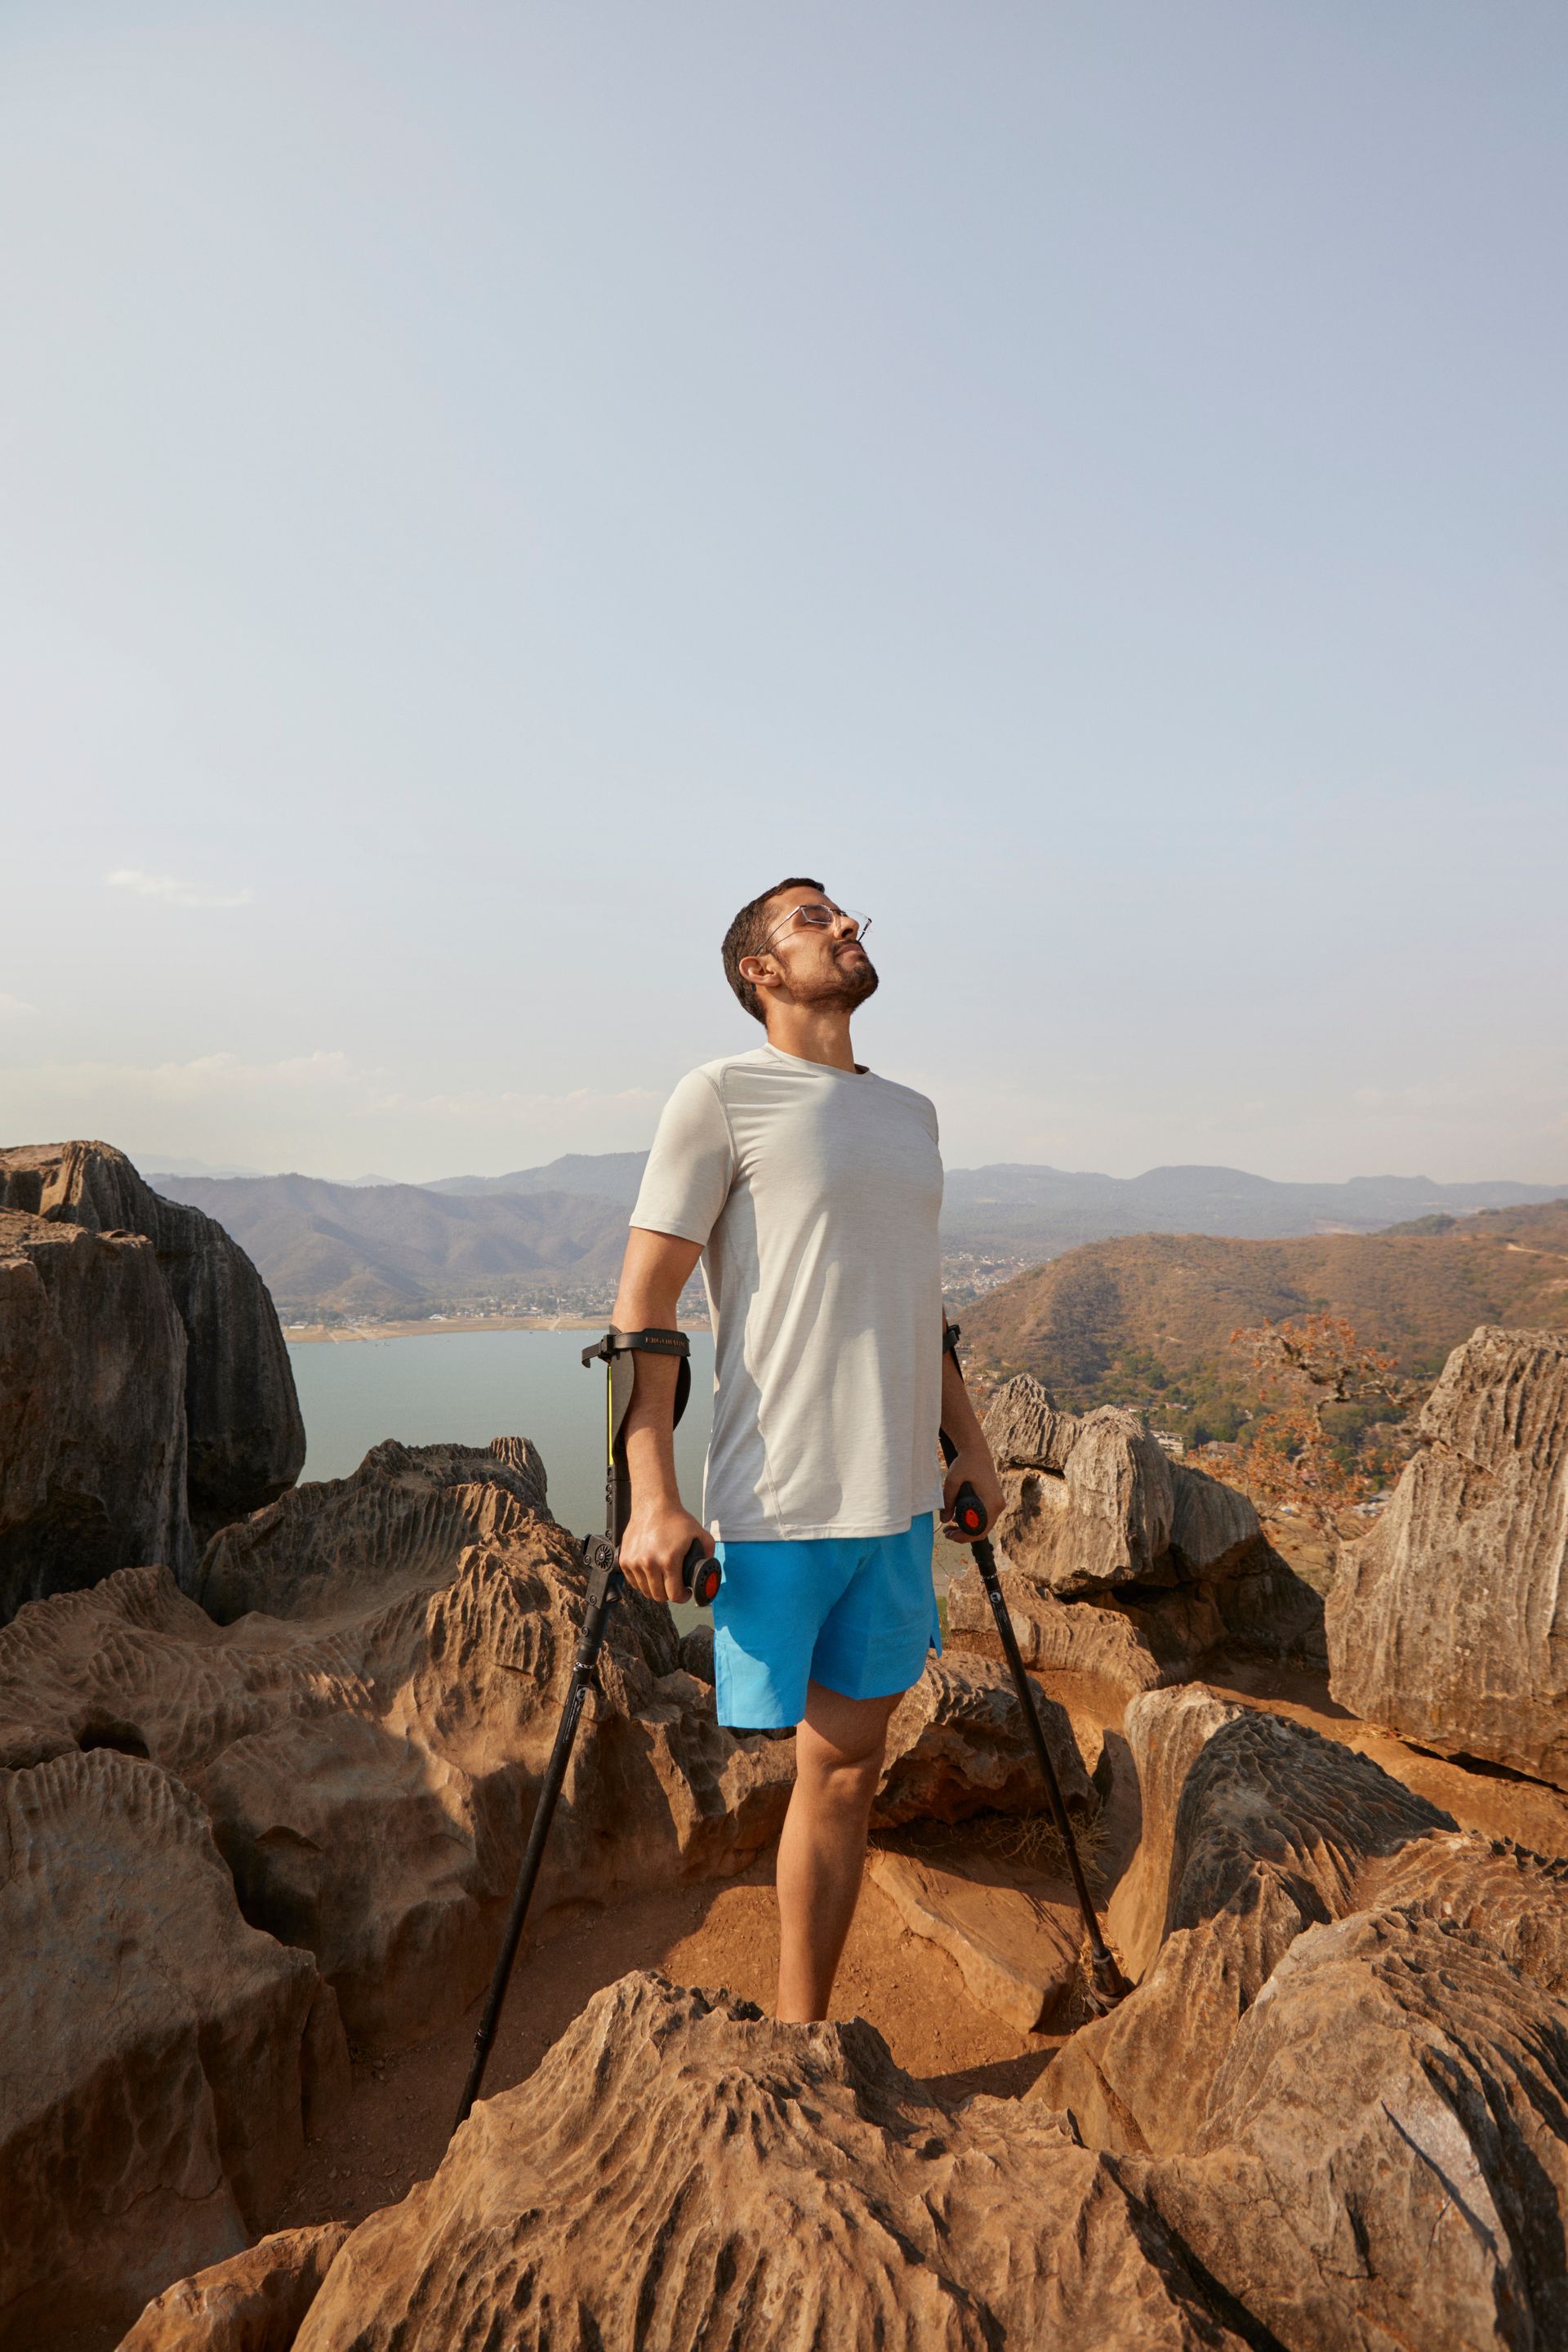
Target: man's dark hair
{"x": 747, "y": 935}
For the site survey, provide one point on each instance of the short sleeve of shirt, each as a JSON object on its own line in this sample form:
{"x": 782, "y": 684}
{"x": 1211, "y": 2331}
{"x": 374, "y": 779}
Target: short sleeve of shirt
{"x": 691, "y": 1166}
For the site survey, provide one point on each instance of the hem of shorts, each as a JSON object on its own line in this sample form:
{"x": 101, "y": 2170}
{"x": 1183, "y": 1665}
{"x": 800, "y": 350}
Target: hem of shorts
{"x": 859, "y": 1530}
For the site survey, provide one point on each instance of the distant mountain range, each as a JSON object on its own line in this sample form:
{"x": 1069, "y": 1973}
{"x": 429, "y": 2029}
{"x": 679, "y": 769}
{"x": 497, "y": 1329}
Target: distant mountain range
{"x": 553, "y": 1234}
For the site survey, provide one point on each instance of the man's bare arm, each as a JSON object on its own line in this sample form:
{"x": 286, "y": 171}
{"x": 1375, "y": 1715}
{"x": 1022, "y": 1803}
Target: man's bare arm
{"x": 661, "y": 1531}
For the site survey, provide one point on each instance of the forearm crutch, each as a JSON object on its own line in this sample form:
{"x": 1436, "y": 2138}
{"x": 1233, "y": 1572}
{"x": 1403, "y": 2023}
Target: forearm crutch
{"x": 1108, "y": 1984}
{"x": 601, "y": 1557}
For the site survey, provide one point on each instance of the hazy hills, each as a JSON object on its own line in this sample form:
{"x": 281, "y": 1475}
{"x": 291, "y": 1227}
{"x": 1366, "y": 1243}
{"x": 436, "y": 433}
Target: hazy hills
{"x": 390, "y": 1250}
{"x": 1021, "y": 1211}
{"x": 612, "y": 1176}
{"x": 555, "y": 1232}
{"x": 1170, "y": 1302}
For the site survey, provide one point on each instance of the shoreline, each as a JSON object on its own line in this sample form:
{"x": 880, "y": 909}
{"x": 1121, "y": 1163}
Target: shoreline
{"x": 311, "y": 1335}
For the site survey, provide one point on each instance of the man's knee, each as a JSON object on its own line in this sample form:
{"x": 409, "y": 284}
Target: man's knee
{"x": 841, "y": 1742}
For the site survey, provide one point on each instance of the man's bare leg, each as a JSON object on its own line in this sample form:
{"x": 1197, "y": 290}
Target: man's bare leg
{"x": 822, "y": 1852}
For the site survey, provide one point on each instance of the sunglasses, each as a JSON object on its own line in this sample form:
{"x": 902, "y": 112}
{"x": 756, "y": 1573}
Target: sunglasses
{"x": 815, "y": 917}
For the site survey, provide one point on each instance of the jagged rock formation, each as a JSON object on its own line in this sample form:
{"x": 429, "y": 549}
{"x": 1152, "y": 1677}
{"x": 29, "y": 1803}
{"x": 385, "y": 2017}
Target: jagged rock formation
{"x": 92, "y": 1425}
{"x": 367, "y": 1746}
{"x": 246, "y": 1441}
{"x": 368, "y": 1743}
{"x": 680, "y": 2172}
{"x": 1448, "y": 1621}
{"x": 256, "y": 2301}
{"x": 162, "y": 2059}
{"x": 1366, "y": 2139}
{"x": 354, "y": 1764}
{"x": 1093, "y": 1501}
{"x": 1119, "y": 1563}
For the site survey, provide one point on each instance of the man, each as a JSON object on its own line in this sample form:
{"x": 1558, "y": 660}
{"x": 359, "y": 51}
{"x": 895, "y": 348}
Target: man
{"x": 810, "y": 1188}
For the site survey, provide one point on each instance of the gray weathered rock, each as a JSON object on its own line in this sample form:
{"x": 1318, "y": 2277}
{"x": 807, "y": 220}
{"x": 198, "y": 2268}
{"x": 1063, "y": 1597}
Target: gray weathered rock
{"x": 1448, "y": 1621}
{"x": 160, "y": 2059}
{"x": 1094, "y": 1503}
{"x": 1140, "y": 1638}
{"x": 680, "y": 2173}
{"x": 92, "y": 1426}
{"x": 246, "y": 1437}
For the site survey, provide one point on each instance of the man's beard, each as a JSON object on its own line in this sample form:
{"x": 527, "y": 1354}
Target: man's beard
{"x": 854, "y": 979}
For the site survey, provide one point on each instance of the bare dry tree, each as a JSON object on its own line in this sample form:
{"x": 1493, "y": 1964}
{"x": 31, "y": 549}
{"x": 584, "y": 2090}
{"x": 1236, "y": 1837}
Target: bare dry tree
{"x": 1288, "y": 1454}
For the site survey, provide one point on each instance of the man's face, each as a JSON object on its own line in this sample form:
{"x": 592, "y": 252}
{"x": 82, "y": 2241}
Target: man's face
{"x": 822, "y": 962}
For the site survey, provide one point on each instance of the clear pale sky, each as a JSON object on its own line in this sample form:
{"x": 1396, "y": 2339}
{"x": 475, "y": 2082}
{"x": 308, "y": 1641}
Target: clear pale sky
{"x": 487, "y": 488}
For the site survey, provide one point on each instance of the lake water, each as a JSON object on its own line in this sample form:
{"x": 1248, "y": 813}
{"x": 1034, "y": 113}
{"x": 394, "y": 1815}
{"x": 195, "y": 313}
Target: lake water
{"x": 471, "y": 1386}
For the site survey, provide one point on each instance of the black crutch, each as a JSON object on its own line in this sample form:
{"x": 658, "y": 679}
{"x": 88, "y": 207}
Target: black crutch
{"x": 601, "y": 1557}
{"x": 1108, "y": 1985}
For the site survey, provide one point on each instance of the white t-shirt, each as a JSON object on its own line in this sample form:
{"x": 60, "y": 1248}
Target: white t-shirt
{"x": 815, "y": 1193}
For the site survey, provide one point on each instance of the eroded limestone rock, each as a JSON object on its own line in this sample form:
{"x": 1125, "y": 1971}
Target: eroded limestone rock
{"x": 246, "y": 1440}
{"x": 680, "y": 2172}
{"x": 92, "y": 1425}
{"x": 256, "y": 2301}
{"x": 1344, "y": 2078}
{"x": 368, "y": 1728}
{"x": 958, "y": 1746}
{"x": 1448, "y": 1621}
{"x": 1253, "y": 1828}
{"x": 160, "y": 2059}
{"x": 1015, "y": 1934}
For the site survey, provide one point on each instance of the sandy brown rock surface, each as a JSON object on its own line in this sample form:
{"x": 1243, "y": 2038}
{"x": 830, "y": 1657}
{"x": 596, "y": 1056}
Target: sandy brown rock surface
{"x": 1366, "y": 2139}
{"x": 1015, "y": 1934}
{"x": 255, "y": 2302}
{"x": 681, "y": 2171}
{"x": 1448, "y": 1621}
{"x": 92, "y": 1425}
{"x": 160, "y": 2059}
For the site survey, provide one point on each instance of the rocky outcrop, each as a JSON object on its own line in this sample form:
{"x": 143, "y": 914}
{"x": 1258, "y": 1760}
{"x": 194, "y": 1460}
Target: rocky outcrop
{"x": 367, "y": 1727}
{"x": 680, "y": 2172}
{"x": 1448, "y": 1621}
{"x": 958, "y": 1746}
{"x": 256, "y": 2301}
{"x": 246, "y": 1441}
{"x": 92, "y": 1427}
{"x": 1094, "y": 1501}
{"x": 1254, "y": 1829}
{"x": 1365, "y": 2141}
{"x": 162, "y": 2059}
{"x": 367, "y": 1748}
{"x": 1119, "y": 1563}
{"x": 1139, "y": 1638}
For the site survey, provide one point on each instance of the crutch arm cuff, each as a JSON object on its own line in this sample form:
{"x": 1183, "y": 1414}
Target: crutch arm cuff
{"x": 651, "y": 1342}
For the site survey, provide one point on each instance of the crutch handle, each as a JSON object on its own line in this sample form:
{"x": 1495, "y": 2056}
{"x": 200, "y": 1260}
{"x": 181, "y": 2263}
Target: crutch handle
{"x": 701, "y": 1575}
{"x": 969, "y": 1513}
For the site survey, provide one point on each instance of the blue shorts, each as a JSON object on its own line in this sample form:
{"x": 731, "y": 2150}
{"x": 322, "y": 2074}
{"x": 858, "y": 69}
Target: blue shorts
{"x": 855, "y": 1613}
